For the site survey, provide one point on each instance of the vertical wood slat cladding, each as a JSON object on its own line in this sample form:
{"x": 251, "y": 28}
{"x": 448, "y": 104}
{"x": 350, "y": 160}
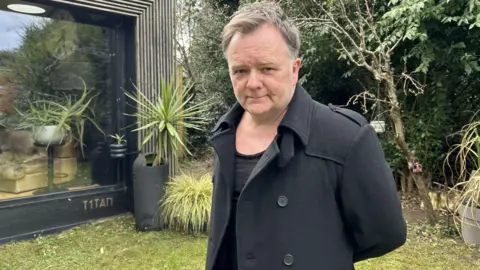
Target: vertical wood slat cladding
{"x": 155, "y": 52}
{"x": 155, "y": 23}
{"x": 114, "y": 6}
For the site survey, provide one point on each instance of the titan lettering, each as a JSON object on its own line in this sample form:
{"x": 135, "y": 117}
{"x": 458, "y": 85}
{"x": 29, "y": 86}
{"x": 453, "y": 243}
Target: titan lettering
{"x": 97, "y": 203}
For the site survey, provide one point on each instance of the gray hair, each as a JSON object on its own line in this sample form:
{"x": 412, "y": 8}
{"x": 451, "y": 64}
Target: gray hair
{"x": 250, "y": 17}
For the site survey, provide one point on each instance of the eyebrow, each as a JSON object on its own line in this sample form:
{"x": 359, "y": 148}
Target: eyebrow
{"x": 235, "y": 66}
{"x": 262, "y": 63}
{"x": 267, "y": 63}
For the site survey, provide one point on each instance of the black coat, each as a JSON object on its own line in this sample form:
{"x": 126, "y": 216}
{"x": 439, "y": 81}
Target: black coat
{"x": 321, "y": 197}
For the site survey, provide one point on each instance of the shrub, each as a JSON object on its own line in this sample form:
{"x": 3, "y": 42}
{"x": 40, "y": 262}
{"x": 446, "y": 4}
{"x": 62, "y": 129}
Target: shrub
{"x": 187, "y": 202}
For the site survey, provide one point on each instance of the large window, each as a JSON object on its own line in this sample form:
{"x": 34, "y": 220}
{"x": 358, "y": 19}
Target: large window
{"x": 58, "y": 83}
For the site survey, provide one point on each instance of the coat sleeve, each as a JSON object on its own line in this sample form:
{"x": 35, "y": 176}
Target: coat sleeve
{"x": 369, "y": 201}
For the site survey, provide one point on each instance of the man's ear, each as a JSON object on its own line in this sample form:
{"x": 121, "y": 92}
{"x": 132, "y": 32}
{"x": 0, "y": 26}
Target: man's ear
{"x": 297, "y": 63}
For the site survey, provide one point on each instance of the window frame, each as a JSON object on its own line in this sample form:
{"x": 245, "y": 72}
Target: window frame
{"x": 33, "y": 215}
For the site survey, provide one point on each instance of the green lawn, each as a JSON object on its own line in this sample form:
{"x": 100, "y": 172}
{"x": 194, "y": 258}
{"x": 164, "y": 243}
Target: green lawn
{"x": 114, "y": 244}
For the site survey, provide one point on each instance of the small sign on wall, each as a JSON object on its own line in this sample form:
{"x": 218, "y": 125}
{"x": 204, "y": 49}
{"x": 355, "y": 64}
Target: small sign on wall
{"x": 378, "y": 126}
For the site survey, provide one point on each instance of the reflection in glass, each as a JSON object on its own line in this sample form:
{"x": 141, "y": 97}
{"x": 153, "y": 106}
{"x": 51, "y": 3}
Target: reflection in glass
{"x": 53, "y": 73}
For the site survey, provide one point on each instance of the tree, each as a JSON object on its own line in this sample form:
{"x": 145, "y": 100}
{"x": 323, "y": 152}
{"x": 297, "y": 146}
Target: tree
{"x": 198, "y": 39}
{"x": 368, "y": 41}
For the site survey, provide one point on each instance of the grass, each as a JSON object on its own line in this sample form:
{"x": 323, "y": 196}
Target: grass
{"x": 114, "y": 244}
{"x": 110, "y": 244}
{"x": 427, "y": 249}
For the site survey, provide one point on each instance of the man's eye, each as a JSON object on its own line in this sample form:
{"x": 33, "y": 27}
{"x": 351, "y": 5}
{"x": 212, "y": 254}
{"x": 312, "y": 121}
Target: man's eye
{"x": 239, "y": 71}
{"x": 268, "y": 69}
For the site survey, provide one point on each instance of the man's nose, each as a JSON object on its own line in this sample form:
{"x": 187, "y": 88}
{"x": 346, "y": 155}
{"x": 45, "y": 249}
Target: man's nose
{"x": 254, "y": 80}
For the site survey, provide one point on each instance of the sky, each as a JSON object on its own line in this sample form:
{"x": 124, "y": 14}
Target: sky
{"x": 11, "y": 25}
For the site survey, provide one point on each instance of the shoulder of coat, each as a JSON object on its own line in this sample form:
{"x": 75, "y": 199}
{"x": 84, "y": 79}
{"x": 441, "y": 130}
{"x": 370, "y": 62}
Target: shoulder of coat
{"x": 350, "y": 114}
{"x": 332, "y": 132}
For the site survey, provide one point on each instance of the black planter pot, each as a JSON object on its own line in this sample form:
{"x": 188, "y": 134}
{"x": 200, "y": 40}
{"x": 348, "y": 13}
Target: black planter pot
{"x": 148, "y": 190}
{"x": 118, "y": 150}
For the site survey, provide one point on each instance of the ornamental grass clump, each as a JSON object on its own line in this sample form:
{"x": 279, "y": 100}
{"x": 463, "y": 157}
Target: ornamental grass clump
{"x": 187, "y": 202}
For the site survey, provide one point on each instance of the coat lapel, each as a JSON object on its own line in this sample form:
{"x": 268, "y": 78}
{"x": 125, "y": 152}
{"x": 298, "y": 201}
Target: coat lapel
{"x": 268, "y": 156}
{"x": 224, "y": 146}
{"x": 283, "y": 153}
{"x": 223, "y": 142}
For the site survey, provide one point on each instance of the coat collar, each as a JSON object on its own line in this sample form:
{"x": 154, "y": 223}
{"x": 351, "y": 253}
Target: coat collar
{"x": 296, "y": 119}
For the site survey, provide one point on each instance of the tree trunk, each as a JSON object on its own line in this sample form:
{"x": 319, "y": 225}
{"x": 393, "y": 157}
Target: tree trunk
{"x": 403, "y": 181}
{"x": 395, "y": 117}
{"x": 410, "y": 185}
{"x": 423, "y": 192}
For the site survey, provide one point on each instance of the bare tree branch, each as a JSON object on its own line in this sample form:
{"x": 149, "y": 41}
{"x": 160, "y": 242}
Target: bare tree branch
{"x": 349, "y": 55}
{"x": 416, "y": 84}
{"x": 345, "y": 16}
{"x": 184, "y": 60}
{"x": 364, "y": 97}
{"x": 341, "y": 29}
{"x": 303, "y": 21}
{"x": 372, "y": 28}
{"x": 390, "y": 50}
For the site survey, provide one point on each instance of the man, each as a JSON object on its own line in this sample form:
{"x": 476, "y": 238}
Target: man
{"x": 297, "y": 184}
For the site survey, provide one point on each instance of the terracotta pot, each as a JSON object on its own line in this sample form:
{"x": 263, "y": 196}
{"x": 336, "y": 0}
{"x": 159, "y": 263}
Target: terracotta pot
{"x": 65, "y": 151}
{"x": 8, "y": 93}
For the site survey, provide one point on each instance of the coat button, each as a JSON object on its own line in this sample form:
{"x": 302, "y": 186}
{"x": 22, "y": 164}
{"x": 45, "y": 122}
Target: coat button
{"x": 288, "y": 259}
{"x": 282, "y": 201}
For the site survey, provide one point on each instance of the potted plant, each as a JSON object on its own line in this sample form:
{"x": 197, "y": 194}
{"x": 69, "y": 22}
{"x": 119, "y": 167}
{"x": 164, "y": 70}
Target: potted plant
{"x": 43, "y": 120}
{"x": 118, "y": 148}
{"x": 158, "y": 120}
{"x": 51, "y": 121}
{"x": 467, "y": 159}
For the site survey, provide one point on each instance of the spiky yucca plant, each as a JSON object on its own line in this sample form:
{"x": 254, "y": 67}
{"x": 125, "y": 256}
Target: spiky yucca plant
{"x": 160, "y": 117}
{"x": 187, "y": 202}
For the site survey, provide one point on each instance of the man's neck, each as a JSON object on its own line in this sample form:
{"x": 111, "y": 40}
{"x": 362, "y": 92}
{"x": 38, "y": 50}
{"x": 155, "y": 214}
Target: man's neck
{"x": 265, "y": 121}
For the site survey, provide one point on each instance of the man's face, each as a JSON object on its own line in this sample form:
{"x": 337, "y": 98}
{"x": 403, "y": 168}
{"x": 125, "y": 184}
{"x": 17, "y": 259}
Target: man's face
{"x": 262, "y": 71}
